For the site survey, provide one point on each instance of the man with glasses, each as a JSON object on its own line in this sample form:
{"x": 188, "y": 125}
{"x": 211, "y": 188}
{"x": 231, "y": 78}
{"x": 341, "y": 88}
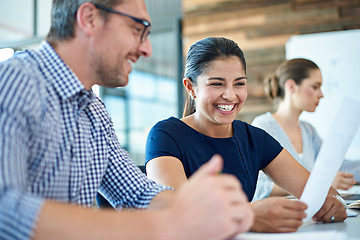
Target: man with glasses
{"x": 58, "y": 147}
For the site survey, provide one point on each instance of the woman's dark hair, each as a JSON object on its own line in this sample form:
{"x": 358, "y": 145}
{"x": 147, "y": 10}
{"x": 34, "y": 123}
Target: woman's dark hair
{"x": 200, "y": 56}
{"x": 296, "y": 69}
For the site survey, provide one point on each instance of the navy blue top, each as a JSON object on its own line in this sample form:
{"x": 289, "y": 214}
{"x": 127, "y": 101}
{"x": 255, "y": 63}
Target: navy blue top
{"x": 249, "y": 150}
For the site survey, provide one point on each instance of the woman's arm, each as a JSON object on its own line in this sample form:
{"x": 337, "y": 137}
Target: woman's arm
{"x": 278, "y": 191}
{"x": 287, "y": 173}
{"x": 166, "y": 170}
{"x": 272, "y": 214}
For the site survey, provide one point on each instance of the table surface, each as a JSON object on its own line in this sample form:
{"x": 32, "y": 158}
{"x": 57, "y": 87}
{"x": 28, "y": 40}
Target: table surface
{"x": 347, "y": 230}
{"x": 350, "y": 227}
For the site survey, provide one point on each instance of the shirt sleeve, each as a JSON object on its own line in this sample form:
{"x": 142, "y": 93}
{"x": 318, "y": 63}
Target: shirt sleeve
{"x": 351, "y": 166}
{"x": 265, "y": 185}
{"x": 268, "y": 146}
{"x": 160, "y": 143}
{"x": 124, "y": 185}
{"x": 18, "y": 209}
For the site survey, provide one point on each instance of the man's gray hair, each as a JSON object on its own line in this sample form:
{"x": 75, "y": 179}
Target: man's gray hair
{"x": 63, "y": 17}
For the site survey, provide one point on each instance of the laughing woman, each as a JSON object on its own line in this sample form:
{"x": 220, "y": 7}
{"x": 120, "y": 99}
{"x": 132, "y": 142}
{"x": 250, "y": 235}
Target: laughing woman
{"x": 215, "y": 78}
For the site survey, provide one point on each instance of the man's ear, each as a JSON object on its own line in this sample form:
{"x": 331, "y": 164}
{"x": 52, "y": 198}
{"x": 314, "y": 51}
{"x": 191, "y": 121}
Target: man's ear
{"x": 85, "y": 18}
{"x": 188, "y": 84}
{"x": 290, "y": 85}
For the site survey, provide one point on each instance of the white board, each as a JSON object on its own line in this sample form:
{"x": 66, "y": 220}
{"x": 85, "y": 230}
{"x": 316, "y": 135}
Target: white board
{"x": 338, "y": 56}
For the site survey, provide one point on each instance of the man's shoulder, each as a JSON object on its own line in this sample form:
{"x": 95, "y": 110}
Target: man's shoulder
{"x": 98, "y": 108}
{"x": 21, "y": 60}
{"x": 20, "y": 67}
{"x": 22, "y": 82}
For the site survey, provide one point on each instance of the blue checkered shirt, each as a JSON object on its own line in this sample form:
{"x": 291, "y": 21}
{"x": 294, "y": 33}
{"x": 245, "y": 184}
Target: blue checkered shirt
{"x": 57, "y": 142}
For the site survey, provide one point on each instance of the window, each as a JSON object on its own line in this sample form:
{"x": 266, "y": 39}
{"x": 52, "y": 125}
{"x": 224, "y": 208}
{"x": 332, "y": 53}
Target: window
{"x": 154, "y": 89}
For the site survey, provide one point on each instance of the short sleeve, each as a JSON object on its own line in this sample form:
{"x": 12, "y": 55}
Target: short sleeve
{"x": 268, "y": 146}
{"x": 270, "y": 149}
{"x": 161, "y": 143}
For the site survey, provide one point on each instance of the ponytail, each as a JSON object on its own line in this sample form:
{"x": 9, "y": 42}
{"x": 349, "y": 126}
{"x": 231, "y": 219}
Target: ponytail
{"x": 272, "y": 88}
{"x": 189, "y": 106}
{"x": 296, "y": 69}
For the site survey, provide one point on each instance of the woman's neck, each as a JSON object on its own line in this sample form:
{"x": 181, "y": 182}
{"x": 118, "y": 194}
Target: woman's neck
{"x": 208, "y": 128}
{"x": 287, "y": 115}
{"x": 288, "y": 118}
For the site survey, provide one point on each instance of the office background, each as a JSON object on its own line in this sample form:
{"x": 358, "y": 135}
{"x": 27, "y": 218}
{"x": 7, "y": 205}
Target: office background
{"x": 262, "y": 29}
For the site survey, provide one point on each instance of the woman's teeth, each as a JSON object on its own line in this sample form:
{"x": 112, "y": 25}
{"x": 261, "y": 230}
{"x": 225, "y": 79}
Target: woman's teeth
{"x": 225, "y": 108}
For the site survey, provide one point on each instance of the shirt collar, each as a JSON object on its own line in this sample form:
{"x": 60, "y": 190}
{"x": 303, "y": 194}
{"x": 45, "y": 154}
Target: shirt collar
{"x": 65, "y": 82}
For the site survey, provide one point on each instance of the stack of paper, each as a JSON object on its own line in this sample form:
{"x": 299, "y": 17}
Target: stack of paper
{"x": 355, "y": 205}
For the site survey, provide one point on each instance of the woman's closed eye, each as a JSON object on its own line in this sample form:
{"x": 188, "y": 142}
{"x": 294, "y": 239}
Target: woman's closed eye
{"x": 240, "y": 84}
{"x": 236, "y": 84}
{"x": 216, "y": 84}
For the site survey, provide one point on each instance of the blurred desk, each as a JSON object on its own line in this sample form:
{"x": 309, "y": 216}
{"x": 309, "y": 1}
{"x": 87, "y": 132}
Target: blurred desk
{"x": 354, "y": 190}
{"x": 351, "y": 195}
{"x": 347, "y": 230}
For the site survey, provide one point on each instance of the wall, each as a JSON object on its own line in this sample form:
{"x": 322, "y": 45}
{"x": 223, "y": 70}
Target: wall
{"x": 262, "y": 29}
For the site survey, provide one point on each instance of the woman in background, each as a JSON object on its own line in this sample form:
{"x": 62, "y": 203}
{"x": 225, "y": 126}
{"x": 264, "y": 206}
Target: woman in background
{"x": 297, "y": 84}
{"x": 215, "y": 78}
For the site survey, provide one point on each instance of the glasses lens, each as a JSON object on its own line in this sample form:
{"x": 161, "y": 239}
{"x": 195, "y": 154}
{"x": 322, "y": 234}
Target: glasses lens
{"x": 145, "y": 33}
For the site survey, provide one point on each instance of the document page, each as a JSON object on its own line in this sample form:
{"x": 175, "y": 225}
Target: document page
{"x": 331, "y": 155}
{"x": 318, "y": 235}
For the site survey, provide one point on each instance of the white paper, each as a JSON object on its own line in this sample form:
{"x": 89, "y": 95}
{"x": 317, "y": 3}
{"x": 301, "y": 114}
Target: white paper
{"x": 318, "y": 235}
{"x": 331, "y": 155}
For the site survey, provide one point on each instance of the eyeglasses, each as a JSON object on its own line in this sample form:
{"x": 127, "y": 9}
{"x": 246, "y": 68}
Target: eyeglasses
{"x": 145, "y": 23}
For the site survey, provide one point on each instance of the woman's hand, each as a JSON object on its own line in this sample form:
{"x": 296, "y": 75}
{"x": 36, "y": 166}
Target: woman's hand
{"x": 333, "y": 209}
{"x": 278, "y": 214}
{"x": 343, "y": 181}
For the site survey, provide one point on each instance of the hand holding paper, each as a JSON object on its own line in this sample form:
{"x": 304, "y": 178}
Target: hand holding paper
{"x": 331, "y": 156}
